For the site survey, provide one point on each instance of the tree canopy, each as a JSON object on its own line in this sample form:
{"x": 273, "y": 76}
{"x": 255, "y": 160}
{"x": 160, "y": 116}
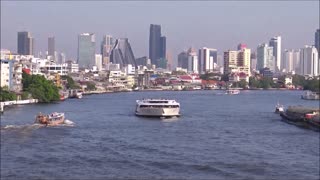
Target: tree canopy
{"x": 40, "y": 88}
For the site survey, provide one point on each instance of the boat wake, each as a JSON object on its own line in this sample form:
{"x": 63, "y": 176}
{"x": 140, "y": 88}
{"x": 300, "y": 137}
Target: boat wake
{"x": 34, "y": 126}
{"x": 21, "y": 127}
{"x": 68, "y": 122}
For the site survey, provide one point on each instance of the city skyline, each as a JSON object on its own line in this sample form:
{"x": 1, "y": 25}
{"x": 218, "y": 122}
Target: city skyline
{"x": 181, "y": 33}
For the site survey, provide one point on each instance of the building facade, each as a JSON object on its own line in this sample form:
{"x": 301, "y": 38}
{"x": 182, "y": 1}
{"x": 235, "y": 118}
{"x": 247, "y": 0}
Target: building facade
{"x": 317, "y": 41}
{"x": 122, "y": 53}
{"x": 25, "y": 43}
{"x": 106, "y": 47}
{"x": 265, "y": 58}
{"x": 275, "y": 42}
{"x": 157, "y": 44}
{"x": 86, "y": 50}
{"x": 51, "y": 47}
{"x": 207, "y": 58}
{"x": 309, "y": 61}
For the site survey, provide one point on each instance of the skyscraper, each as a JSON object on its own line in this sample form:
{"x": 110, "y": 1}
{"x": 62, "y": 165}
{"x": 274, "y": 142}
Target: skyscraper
{"x": 237, "y": 61}
{"x": 157, "y": 44}
{"x": 309, "y": 61}
{"x": 122, "y": 53}
{"x": 275, "y": 42}
{"x": 183, "y": 60}
{"x": 265, "y": 57}
{"x": 51, "y": 46}
{"x": 86, "y": 50}
{"x": 25, "y": 43}
{"x": 317, "y": 41}
{"x": 106, "y": 47}
{"x": 207, "y": 58}
{"x": 192, "y": 61}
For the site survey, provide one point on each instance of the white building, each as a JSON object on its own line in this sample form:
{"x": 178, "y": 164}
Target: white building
{"x": 275, "y": 42}
{"x": 265, "y": 58}
{"x": 72, "y": 67}
{"x": 112, "y": 67}
{"x": 98, "y": 61}
{"x": 207, "y": 58}
{"x": 309, "y": 61}
{"x": 61, "y": 69}
{"x": 193, "y": 62}
{"x": 129, "y": 69}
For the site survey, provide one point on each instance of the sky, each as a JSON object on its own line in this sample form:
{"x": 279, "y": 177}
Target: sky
{"x": 214, "y": 24}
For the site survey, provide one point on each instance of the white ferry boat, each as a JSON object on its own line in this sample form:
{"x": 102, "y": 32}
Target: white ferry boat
{"x": 157, "y": 108}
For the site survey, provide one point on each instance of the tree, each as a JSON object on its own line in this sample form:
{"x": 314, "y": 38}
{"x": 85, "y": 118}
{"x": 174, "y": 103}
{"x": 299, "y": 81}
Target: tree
{"x": 70, "y": 82}
{"x": 6, "y": 95}
{"x": 91, "y": 86}
{"x": 253, "y": 82}
{"x": 40, "y": 88}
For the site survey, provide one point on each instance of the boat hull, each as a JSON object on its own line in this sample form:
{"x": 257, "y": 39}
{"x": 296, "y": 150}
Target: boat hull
{"x": 158, "y": 112}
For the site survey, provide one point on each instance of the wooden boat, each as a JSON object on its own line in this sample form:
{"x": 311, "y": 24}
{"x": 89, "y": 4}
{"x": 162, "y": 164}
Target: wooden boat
{"x": 50, "y": 119}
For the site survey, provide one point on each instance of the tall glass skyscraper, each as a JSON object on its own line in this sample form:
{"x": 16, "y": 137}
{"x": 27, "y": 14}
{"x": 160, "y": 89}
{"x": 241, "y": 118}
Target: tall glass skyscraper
{"x": 25, "y": 43}
{"x": 275, "y": 42}
{"x": 265, "y": 57}
{"x": 86, "y": 50}
{"x": 157, "y": 44}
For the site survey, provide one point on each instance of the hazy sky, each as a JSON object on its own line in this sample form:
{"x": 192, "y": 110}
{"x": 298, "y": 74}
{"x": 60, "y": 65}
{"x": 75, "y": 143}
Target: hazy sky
{"x": 214, "y": 24}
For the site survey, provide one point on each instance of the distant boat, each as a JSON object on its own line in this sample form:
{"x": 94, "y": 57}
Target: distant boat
{"x": 157, "y": 108}
{"x": 279, "y": 108}
{"x": 50, "y": 119}
{"x": 232, "y": 91}
{"x": 309, "y": 95}
{"x": 79, "y": 95}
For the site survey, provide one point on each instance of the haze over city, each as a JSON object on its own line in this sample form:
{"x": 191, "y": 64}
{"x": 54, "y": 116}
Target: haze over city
{"x": 220, "y": 25}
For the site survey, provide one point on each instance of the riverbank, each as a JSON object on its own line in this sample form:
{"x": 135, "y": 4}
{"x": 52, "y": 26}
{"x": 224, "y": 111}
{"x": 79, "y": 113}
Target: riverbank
{"x": 16, "y": 102}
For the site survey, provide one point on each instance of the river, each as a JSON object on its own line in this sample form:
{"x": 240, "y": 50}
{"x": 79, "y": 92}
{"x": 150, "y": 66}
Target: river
{"x": 217, "y": 137}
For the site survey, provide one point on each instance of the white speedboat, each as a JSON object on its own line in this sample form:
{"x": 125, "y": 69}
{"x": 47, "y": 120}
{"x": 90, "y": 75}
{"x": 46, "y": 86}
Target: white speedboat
{"x": 157, "y": 108}
{"x": 232, "y": 91}
{"x": 279, "y": 108}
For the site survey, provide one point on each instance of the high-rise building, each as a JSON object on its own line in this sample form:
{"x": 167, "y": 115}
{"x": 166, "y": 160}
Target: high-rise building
{"x": 296, "y": 60}
{"x": 253, "y": 63}
{"x": 265, "y": 57}
{"x": 86, "y": 50}
{"x": 106, "y": 47}
{"x": 62, "y": 58}
{"x": 192, "y": 61}
{"x": 237, "y": 61}
{"x": 317, "y": 41}
{"x": 207, "y": 58}
{"x": 51, "y": 47}
{"x": 98, "y": 61}
{"x": 157, "y": 44}
{"x": 25, "y": 43}
{"x": 275, "y": 42}
{"x": 122, "y": 53}
{"x": 287, "y": 59}
{"x": 309, "y": 61}
{"x": 183, "y": 60}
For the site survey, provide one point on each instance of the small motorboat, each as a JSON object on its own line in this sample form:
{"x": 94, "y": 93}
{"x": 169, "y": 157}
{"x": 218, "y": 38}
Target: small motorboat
{"x": 232, "y": 91}
{"x": 279, "y": 108}
{"x": 50, "y": 119}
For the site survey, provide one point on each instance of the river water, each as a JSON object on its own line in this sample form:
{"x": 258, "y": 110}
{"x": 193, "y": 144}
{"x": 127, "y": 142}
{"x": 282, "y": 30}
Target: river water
{"x": 217, "y": 137}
